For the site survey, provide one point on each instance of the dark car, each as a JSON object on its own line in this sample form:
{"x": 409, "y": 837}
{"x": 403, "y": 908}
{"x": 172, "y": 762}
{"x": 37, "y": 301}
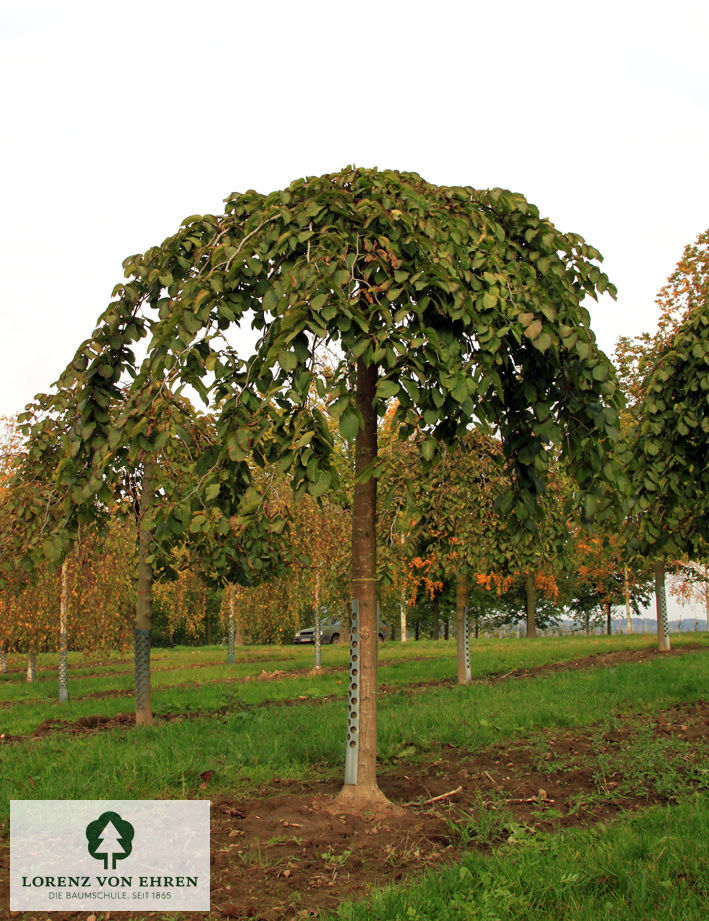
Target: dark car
{"x": 330, "y": 633}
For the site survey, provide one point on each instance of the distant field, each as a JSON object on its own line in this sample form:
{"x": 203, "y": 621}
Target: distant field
{"x": 267, "y": 731}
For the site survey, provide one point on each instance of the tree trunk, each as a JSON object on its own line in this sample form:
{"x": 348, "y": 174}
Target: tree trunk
{"x": 238, "y": 630}
{"x": 231, "y": 627}
{"x": 416, "y": 630}
{"x": 446, "y": 628}
{"x": 63, "y": 664}
{"x": 608, "y": 618}
{"x": 3, "y": 661}
{"x": 531, "y": 605}
{"x": 31, "y": 666}
{"x": 706, "y": 595}
{"x": 144, "y": 605}
{"x": 318, "y": 657}
{"x": 402, "y": 612}
{"x": 663, "y": 630}
{"x": 361, "y": 773}
{"x": 436, "y": 624}
{"x": 627, "y": 601}
{"x": 461, "y": 632}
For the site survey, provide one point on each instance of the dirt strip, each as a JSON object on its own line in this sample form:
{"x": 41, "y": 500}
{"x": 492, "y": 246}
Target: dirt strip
{"x": 97, "y": 723}
{"x": 289, "y": 853}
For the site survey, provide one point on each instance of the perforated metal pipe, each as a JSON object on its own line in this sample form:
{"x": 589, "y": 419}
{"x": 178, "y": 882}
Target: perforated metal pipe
{"x": 468, "y": 675}
{"x": 63, "y": 669}
{"x": 352, "y": 750}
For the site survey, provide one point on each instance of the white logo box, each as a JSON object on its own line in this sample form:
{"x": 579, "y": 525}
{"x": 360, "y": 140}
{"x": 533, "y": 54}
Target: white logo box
{"x": 110, "y": 855}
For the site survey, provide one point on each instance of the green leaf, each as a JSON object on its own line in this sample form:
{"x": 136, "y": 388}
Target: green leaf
{"x": 212, "y": 491}
{"x": 198, "y": 523}
{"x": 287, "y": 360}
{"x": 349, "y": 423}
{"x": 321, "y": 485}
{"x": 428, "y": 448}
{"x": 304, "y": 440}
{"x": 387, "y": 389}
{"x": 270, "y": 300}
{"x": 460, "y": 391}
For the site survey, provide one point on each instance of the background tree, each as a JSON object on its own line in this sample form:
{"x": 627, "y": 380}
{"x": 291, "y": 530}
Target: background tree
{"x": 668, "y": 440}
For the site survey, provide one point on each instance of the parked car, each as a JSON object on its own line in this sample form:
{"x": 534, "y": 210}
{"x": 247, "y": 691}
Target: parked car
{"x": 330, "y": 633}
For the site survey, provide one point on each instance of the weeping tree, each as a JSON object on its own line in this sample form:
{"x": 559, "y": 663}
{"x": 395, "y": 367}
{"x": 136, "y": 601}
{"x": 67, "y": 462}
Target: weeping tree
{"x": 667, "y": 379}
{"x": 670, "y": 445}
{"x": 463, "y": 305}
{"x": 112, "y": 438}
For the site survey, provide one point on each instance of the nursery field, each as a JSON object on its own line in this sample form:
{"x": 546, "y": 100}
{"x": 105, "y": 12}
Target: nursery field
{"x": 569, "y": 780}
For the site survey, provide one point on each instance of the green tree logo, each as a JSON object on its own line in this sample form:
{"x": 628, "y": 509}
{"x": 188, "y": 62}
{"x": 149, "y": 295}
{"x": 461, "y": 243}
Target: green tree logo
{"x": 110, "y": 839}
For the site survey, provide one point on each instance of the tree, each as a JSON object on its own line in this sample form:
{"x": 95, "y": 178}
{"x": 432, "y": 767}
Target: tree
{"x": 669, "y": 440}
{"x": 462, "y": 304}
{"x": 456, "y": 519}
{"x": 141, "y": 449}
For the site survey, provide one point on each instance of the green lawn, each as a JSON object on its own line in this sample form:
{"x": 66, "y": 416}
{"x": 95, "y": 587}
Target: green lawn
{"x": 246, "y": 744}
{"x": 648, "y": 866}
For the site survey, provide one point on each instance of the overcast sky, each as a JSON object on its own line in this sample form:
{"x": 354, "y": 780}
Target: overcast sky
{"x": 119, "y": 119}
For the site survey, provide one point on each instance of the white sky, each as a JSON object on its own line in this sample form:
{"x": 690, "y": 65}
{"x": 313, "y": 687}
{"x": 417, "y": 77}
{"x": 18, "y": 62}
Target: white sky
{"x": 119, "y": 119}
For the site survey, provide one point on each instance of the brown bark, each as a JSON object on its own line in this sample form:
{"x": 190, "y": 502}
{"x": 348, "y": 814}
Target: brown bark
{"x": 608, "y": 618}
{"x": 436, "y": 619}
{"x": 144, "y": 606}
{"x": 461, "y": 601}
{"x": 531, "y": 605}
{"x": 364, "y": 590}
{"x": 663, "y": 632}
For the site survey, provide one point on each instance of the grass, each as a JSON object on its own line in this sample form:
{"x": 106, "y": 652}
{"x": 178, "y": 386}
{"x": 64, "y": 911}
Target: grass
{"x": 247, "y": 747}
{"x": 185, "y": 687}
{"x": 648, "y": 866}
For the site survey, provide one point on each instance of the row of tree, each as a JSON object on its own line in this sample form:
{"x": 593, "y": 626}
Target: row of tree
{"x": 573, "y": 572}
